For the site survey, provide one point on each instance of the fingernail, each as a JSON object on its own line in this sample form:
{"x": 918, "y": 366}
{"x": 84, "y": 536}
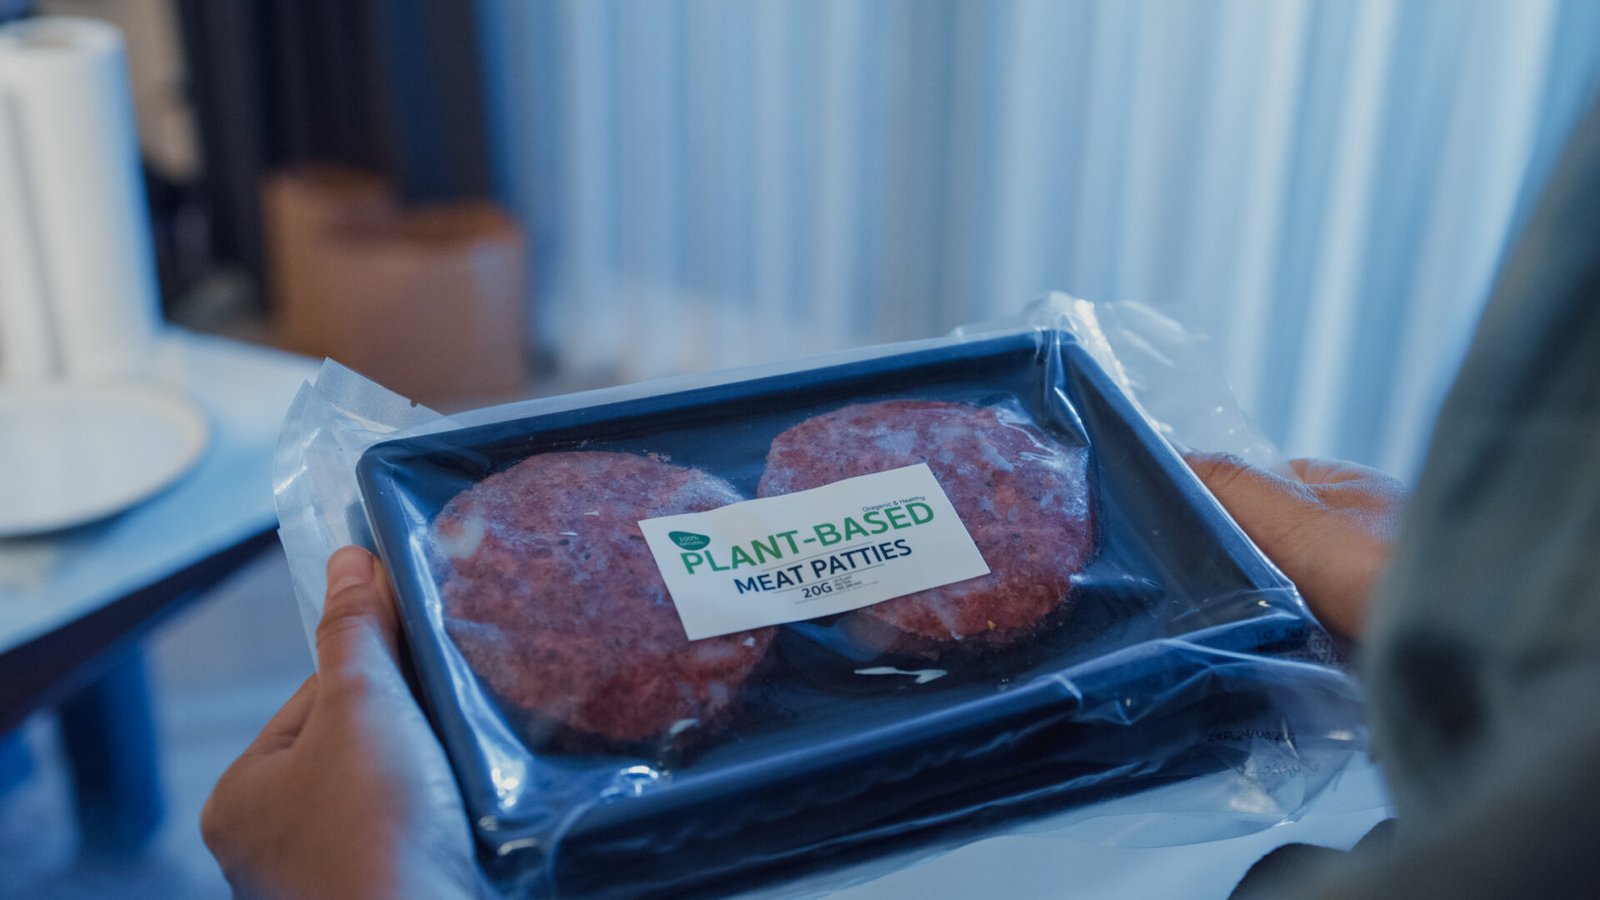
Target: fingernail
{"x": 349, "y": 567}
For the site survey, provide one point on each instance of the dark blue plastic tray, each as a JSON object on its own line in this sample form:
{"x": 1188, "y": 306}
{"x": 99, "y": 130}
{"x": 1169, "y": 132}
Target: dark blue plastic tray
{"x": 830, "y": 768}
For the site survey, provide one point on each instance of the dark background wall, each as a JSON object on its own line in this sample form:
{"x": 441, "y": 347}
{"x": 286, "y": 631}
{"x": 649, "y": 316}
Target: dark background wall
{"x": 390, "y": 86}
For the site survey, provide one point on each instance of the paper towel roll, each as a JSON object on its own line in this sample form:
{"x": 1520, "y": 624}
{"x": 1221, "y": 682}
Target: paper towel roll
{"x": 27, "y": 341}
{"x": 73, "y": 148}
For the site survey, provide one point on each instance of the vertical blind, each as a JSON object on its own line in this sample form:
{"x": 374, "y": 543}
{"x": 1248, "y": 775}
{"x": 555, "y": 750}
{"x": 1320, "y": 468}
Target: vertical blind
{"x": 1327, "y": 186}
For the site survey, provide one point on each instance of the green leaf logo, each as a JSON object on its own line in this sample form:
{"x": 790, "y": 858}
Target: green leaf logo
{"x": 688, "y": 540}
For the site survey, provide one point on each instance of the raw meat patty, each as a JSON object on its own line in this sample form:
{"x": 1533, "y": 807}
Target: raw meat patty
{"x": 1023, "y": 497}
{"x": 555, "y": 601}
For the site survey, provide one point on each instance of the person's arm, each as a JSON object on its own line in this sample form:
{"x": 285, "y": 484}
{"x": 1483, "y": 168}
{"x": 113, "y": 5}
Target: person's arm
{"x": 1330, "y": 531}
{"x": 345, "y": 793}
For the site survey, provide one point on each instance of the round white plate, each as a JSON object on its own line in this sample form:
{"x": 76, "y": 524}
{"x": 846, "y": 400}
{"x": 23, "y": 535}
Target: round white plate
{"x": 74, "y": 453}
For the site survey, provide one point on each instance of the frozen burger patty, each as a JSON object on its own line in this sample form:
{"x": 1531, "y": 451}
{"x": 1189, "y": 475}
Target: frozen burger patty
{"x": 555, "y": 601}
{"x": 1023, "y": 497}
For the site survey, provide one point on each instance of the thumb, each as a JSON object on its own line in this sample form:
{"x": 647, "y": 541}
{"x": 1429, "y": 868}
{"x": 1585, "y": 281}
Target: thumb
{"x": 358, "y": 637}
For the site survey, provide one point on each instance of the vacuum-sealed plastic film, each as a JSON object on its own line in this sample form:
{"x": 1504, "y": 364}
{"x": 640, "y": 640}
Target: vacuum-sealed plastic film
{"x": 706, "y": 634}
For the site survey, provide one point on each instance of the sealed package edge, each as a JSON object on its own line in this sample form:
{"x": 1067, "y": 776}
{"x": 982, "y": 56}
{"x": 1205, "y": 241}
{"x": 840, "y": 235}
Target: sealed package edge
{"x": 705, "y": 635}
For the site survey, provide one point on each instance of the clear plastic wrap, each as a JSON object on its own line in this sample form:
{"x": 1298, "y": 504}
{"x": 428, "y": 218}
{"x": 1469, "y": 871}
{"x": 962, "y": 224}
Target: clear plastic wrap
{"x": 1124, "y": 644}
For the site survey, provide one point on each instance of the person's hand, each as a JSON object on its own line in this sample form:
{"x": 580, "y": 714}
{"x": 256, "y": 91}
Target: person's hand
{"x": 345, "y": 793}
{"x": 1330, "y": 531}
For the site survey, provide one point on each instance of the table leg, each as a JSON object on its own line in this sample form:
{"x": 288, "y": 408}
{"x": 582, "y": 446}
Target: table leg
{"x": 16, "y": 764}
{"x": 108, "y": 731}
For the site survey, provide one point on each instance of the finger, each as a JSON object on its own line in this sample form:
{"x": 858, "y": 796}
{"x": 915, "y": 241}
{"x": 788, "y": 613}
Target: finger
{"x": 1331, "y": 471}
{"x": 285, "y": 724}
{"x": 1373, "y": 499}
{"x": 1246, "y": 491}
{"x": 358, "y": 637}
{"x": 1270, "y": 508}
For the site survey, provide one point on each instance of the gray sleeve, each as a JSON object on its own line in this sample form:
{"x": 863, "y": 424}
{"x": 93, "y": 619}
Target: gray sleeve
{"x": 1531, "y": 833}
{"x": 1483, "y": 661}
{"x": 1487, "y": 627}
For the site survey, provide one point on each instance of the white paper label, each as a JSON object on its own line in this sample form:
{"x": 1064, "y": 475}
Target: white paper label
{"x": 812, "y": 553}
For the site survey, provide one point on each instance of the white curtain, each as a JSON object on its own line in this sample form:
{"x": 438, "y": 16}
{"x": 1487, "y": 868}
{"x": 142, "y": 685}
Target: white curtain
{"x": 1328, "y": 185}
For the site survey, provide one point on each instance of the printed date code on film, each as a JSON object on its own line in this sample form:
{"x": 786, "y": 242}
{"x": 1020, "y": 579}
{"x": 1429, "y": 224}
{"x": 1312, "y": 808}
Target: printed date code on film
{"x": 819, "y": 552}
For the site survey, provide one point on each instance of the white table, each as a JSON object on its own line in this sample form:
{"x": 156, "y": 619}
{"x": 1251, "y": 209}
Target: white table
{"x": 50, "y": 581}
{"x": 74, "y": 604}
